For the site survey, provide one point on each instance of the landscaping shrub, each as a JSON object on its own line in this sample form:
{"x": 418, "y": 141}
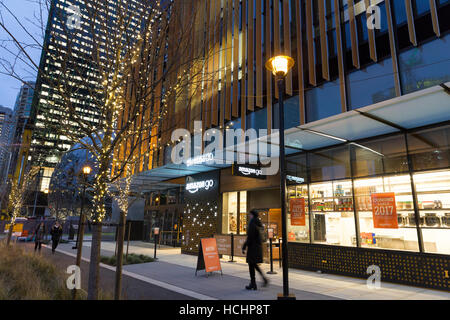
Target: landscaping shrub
{"x": 132, "y": 259}
{"x": 27, "y": 276}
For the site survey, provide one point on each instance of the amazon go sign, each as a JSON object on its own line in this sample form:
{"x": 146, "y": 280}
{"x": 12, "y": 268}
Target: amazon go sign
{"x": 202, "y": 186}
{"x": 194, "y": 187}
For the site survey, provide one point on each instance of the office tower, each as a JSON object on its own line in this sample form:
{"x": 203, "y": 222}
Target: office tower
{"x": 6, "y": 125}
{"x": 22, "y": 110}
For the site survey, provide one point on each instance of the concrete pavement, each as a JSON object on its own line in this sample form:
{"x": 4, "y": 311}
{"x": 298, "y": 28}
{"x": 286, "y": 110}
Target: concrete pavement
{"x": 177, "y": 272}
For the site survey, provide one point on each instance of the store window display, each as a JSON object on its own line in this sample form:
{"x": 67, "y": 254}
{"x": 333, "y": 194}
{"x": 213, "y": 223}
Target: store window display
{"x": 332, "y": 210}
{"x": 433, "y": 196}
{"x": 298, "y": 221}
{"x": 386, "y": 213}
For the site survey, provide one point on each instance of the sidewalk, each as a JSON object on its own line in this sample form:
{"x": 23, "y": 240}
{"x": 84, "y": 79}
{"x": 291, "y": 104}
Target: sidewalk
{"x": 174, "y": 271}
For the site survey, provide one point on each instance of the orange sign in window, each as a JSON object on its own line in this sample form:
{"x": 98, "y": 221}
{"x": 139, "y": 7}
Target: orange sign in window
{"x": 384, "y": 211}
{"x": 297, "y": 208}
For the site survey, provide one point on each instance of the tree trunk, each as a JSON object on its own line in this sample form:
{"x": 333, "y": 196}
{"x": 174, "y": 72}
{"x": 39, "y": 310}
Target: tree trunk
{"x": 94, "y": 266}
{"x": 8, "y": 241}
{"x": 79, "y": 246}
{"x": 119, "y": 260}
{"x": 128, "y": 240}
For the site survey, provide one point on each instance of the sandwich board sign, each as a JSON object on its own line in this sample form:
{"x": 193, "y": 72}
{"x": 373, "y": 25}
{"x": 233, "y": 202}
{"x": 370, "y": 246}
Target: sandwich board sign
{"x": 208, "y": 256}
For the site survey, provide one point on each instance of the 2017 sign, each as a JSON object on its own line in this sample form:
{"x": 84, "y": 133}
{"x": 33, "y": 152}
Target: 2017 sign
{"x": 384, "y": 211}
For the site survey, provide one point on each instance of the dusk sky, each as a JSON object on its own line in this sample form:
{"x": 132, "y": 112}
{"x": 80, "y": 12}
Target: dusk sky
{"x": 25, "y": 10}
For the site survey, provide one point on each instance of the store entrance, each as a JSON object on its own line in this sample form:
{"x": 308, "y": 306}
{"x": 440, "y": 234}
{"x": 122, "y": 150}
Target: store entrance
{"x": 234, "y": 217}
{"x": 169, "y": 222}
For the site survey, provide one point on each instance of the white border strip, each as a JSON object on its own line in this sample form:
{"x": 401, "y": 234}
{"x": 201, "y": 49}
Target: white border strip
{"x": 164, "y": 285}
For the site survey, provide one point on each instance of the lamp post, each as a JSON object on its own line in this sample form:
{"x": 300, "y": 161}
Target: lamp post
{"x": 79, "y": 244}
{"x": 86, "y": 171}
{"x": 280, "y": 66}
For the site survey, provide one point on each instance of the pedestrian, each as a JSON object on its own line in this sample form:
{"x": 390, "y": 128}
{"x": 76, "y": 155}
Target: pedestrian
{"x": 56, "y": 233}
{"x": 39, "y": 236}
{"x": 253, "y": 244}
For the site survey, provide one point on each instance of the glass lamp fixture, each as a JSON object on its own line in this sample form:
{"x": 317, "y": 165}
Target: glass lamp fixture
{"x": 280, "y": 65}
{"x": 87, "y": 170}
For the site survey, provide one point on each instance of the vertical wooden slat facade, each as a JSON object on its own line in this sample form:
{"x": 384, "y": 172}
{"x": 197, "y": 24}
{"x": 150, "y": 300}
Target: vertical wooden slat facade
{"x": 353, "y": 34}
{"x": 371, "y": 34}
{"x": 268, "y": 50}
{"x": 237, "y": 37}
{"x": 410, "y": 19}
{"x": 244, "y": 64}
{"x": 258, "y": 54}
{"x": 310, "y": 43}
{"x": 287, "y": 42}
{"x": 323, "y": 41}
{"x": 340, "y": 55}
{"x": 250, "y": 57}
{"x": 236, "y": 62}
{"x": 300, "y": 74}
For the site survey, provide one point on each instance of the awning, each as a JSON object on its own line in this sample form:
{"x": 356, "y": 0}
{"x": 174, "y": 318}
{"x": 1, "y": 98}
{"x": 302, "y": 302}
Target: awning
{"x": 410, "y": 111}
{"x": 425, "y": 107}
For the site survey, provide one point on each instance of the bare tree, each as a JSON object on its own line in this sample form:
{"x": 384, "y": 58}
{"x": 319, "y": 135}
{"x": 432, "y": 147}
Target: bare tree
{"x": 111, "y": 68}
{"x": 19, "y": 189}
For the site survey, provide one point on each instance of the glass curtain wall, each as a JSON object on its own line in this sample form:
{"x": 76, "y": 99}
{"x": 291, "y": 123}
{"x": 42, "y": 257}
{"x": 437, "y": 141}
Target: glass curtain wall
{"x": 368, "y": 189}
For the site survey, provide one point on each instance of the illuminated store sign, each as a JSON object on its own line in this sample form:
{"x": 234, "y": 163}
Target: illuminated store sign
{"x": 194, "y": 187}
{"x": 248, "y": 171}
{"x": 297, "y": 180}
{"x": 200, "y": 159}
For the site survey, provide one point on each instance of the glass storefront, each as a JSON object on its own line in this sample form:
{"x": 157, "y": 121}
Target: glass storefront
{"x": 234, "y": 212}
{"x": 369, "y": 189}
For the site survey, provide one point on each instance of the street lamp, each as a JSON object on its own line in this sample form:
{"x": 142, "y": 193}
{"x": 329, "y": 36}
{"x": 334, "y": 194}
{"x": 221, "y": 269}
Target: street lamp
{"x": 280, "y": 66}
{"x": 86, "y": 171}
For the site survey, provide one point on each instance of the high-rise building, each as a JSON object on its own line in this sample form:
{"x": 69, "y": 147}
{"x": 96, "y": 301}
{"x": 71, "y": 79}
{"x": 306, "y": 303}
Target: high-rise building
{"x": 6, "y": 126}
{"x": 367, "y": 119}
{"x": 67, "y": 61}
{"x": 22, "y": 110}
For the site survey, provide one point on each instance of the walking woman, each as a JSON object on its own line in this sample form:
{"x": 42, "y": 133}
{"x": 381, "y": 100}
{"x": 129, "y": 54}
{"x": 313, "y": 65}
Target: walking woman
{"x": 56, "y": 233}
{"x": 253, "y": 244}
{"x": 39, "y": 236}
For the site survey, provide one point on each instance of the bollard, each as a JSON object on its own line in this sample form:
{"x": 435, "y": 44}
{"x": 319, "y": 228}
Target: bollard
{"x": 156, "y": 234}
{"x": 271, "y": 259}
{"x": 232, "y": 248}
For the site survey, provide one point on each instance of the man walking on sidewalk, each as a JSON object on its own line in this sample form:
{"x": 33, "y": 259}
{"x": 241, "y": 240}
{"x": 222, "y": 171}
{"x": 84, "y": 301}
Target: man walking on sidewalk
{"x": 39, "y": 236}
{"x": 254, "y": 251}
{"x": 56, "y": 233}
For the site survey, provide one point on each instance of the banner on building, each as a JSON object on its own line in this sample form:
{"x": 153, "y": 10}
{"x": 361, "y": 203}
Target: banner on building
{"x": 297, "y": 209}
{"x": 384, "y": 211}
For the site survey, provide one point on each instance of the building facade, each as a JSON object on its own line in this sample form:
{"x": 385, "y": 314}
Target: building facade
{"x": 366, "y": 114}
{"x": 6, "y": 127}
{"x": 18, "y": 141}
{"x": 69, "y": 94}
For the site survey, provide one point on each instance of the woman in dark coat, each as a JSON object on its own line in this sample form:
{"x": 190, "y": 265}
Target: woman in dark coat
{"x": 253, "y": 244}
{"x": 56, "y": 233}
{"x": 39, "y": 236}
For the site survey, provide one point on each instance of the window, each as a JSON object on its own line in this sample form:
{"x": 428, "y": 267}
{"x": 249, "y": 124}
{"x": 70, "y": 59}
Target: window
{"x": 433, "y": 196}
{"x": 425, "y": 66}
{"x": 391, "y": 224}
{"x": 298, "y": 214}
{"x": 234, "y": 214}
{"x": 379, "y": 156}
{"x": 330, "y": 164}
{"x": 332, "y": 210}
{"x": 371, "y": 85}
{"x": 323, "y": 101}
{"x": 429, "y": 148}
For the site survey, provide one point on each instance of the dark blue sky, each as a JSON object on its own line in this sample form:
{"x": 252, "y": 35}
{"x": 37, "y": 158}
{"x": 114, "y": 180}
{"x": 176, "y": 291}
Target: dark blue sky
{"x": 25, "y": 10}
